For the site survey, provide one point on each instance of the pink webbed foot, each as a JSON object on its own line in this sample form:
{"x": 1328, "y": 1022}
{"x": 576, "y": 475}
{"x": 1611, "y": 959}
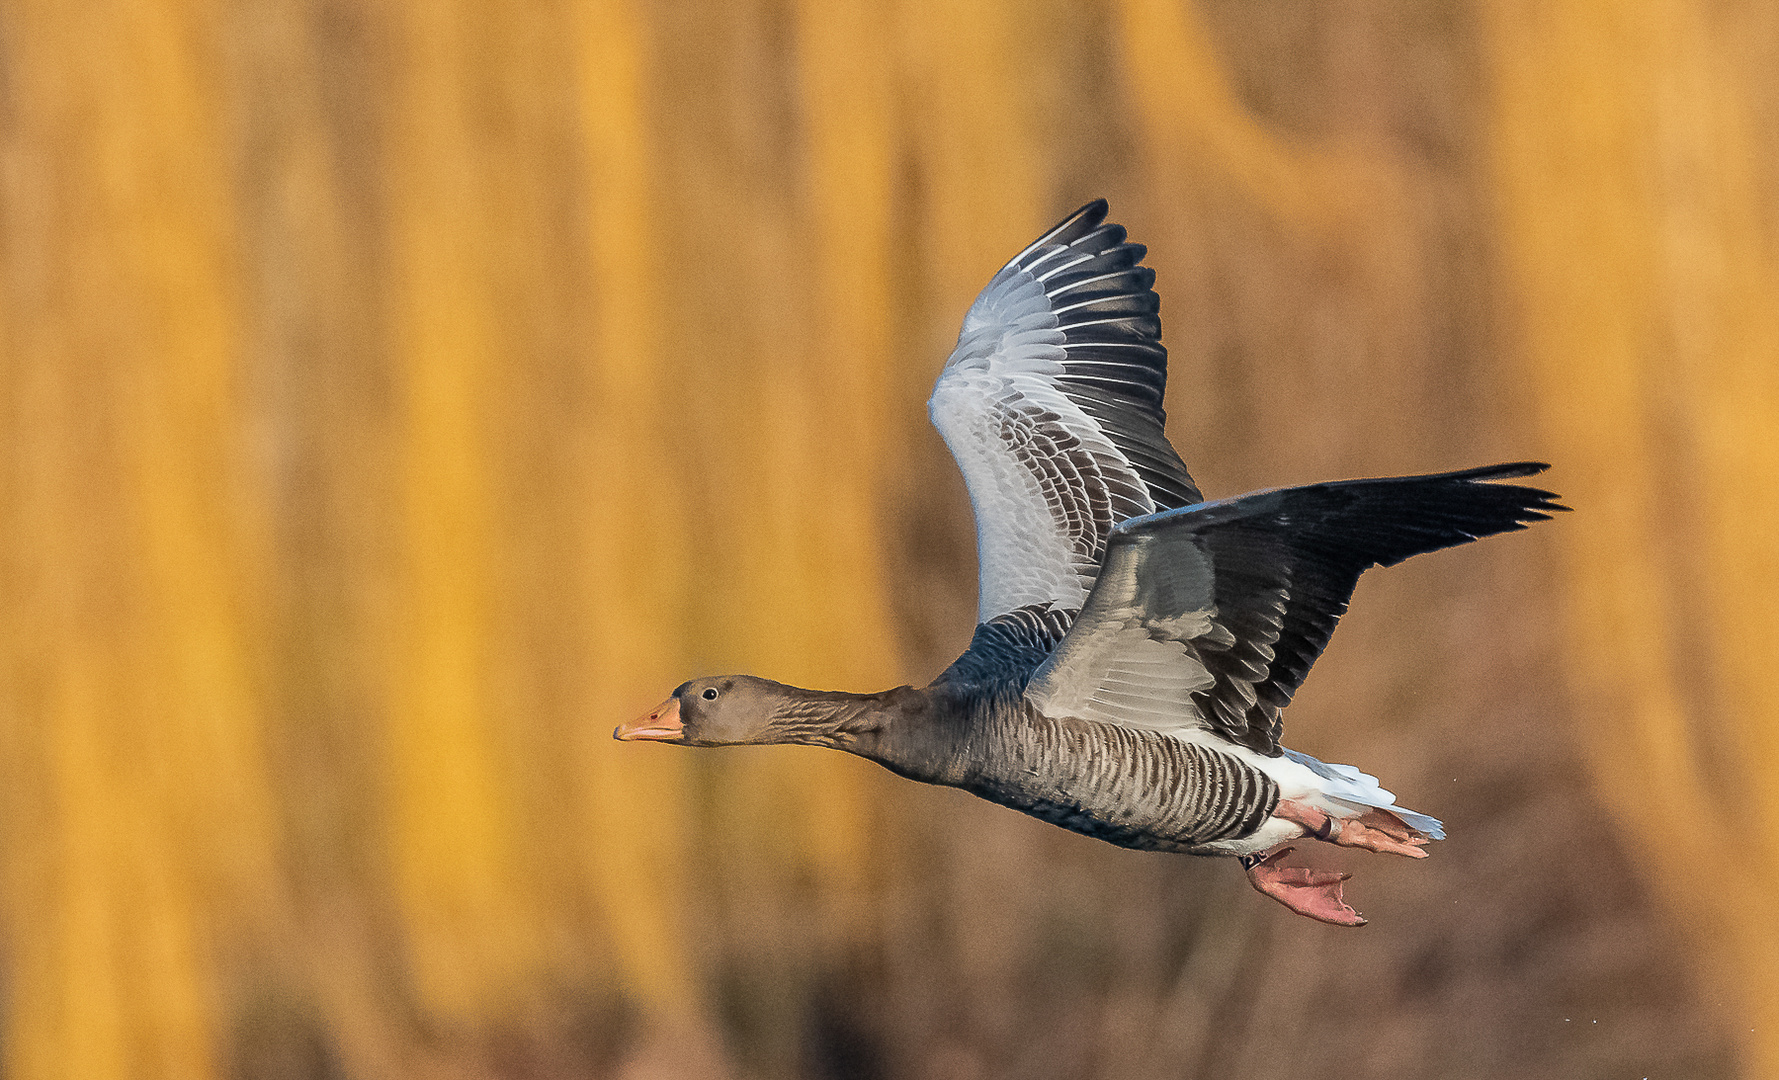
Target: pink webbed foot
{"x": 1374, "y": 830}
{"x": 1315, "y": 893}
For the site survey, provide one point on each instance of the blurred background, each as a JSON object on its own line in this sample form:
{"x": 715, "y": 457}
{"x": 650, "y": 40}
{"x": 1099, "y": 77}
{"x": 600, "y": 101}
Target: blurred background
{"x": 397, "y": 394}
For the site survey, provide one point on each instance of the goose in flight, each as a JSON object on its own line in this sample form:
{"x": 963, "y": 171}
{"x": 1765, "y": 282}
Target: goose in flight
{"x": 1135, "y": 644}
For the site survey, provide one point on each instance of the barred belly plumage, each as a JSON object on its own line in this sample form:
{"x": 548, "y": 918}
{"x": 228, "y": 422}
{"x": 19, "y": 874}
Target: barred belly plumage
{"x": 1137, "y": 789}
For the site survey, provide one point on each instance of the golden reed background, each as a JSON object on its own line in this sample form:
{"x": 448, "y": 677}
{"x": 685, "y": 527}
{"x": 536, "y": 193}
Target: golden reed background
{"x": 394, "y": 395}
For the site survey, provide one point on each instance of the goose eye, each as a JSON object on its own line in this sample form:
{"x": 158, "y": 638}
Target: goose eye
{"x": 710, "y": 693}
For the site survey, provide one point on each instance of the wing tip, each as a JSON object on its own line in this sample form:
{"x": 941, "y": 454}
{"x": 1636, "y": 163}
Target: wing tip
{"x": 1506, "y": 470}
{"x": 1083, "y": 220}
{"x": 1539, "y": 503}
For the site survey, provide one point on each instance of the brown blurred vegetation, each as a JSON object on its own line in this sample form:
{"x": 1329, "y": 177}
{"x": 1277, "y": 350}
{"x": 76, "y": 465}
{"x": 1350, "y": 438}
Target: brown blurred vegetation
{"x": 395, "y": 395}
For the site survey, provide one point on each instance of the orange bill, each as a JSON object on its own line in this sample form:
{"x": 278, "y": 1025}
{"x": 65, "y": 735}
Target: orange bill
{"x": 660, "y": 723}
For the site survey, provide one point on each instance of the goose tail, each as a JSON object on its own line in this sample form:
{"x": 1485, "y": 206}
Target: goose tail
{"x": 1347, "y": 792}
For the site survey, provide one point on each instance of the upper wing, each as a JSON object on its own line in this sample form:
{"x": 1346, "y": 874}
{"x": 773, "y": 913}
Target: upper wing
{"x": 1051, "y": 404}
{"x": 1211, "y": 616}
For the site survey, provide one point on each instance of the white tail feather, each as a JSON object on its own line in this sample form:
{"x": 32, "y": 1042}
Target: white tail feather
{"x": 1355, "y": 792}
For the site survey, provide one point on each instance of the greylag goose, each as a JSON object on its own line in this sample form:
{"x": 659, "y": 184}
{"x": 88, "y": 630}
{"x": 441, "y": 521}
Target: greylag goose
{"x": 1135, "y": 643}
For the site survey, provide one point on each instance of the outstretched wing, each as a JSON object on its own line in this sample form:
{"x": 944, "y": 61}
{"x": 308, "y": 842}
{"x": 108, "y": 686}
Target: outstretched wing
{"x": 1051, "y": 404}
{"x": 1211, "y": 616}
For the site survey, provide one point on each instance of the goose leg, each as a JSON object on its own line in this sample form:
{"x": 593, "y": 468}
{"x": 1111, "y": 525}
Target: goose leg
{"x": 1315, "y": 893}
{"x": 1374, "y": 830}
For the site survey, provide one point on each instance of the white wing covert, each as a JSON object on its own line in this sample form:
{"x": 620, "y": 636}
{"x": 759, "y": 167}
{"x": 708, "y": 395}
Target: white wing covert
{"x": 1052, "y": 405}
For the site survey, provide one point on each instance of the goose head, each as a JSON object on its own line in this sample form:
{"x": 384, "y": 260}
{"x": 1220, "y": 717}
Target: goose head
{"x": 727, "y": 710}
{"x": 741, "y": 710}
